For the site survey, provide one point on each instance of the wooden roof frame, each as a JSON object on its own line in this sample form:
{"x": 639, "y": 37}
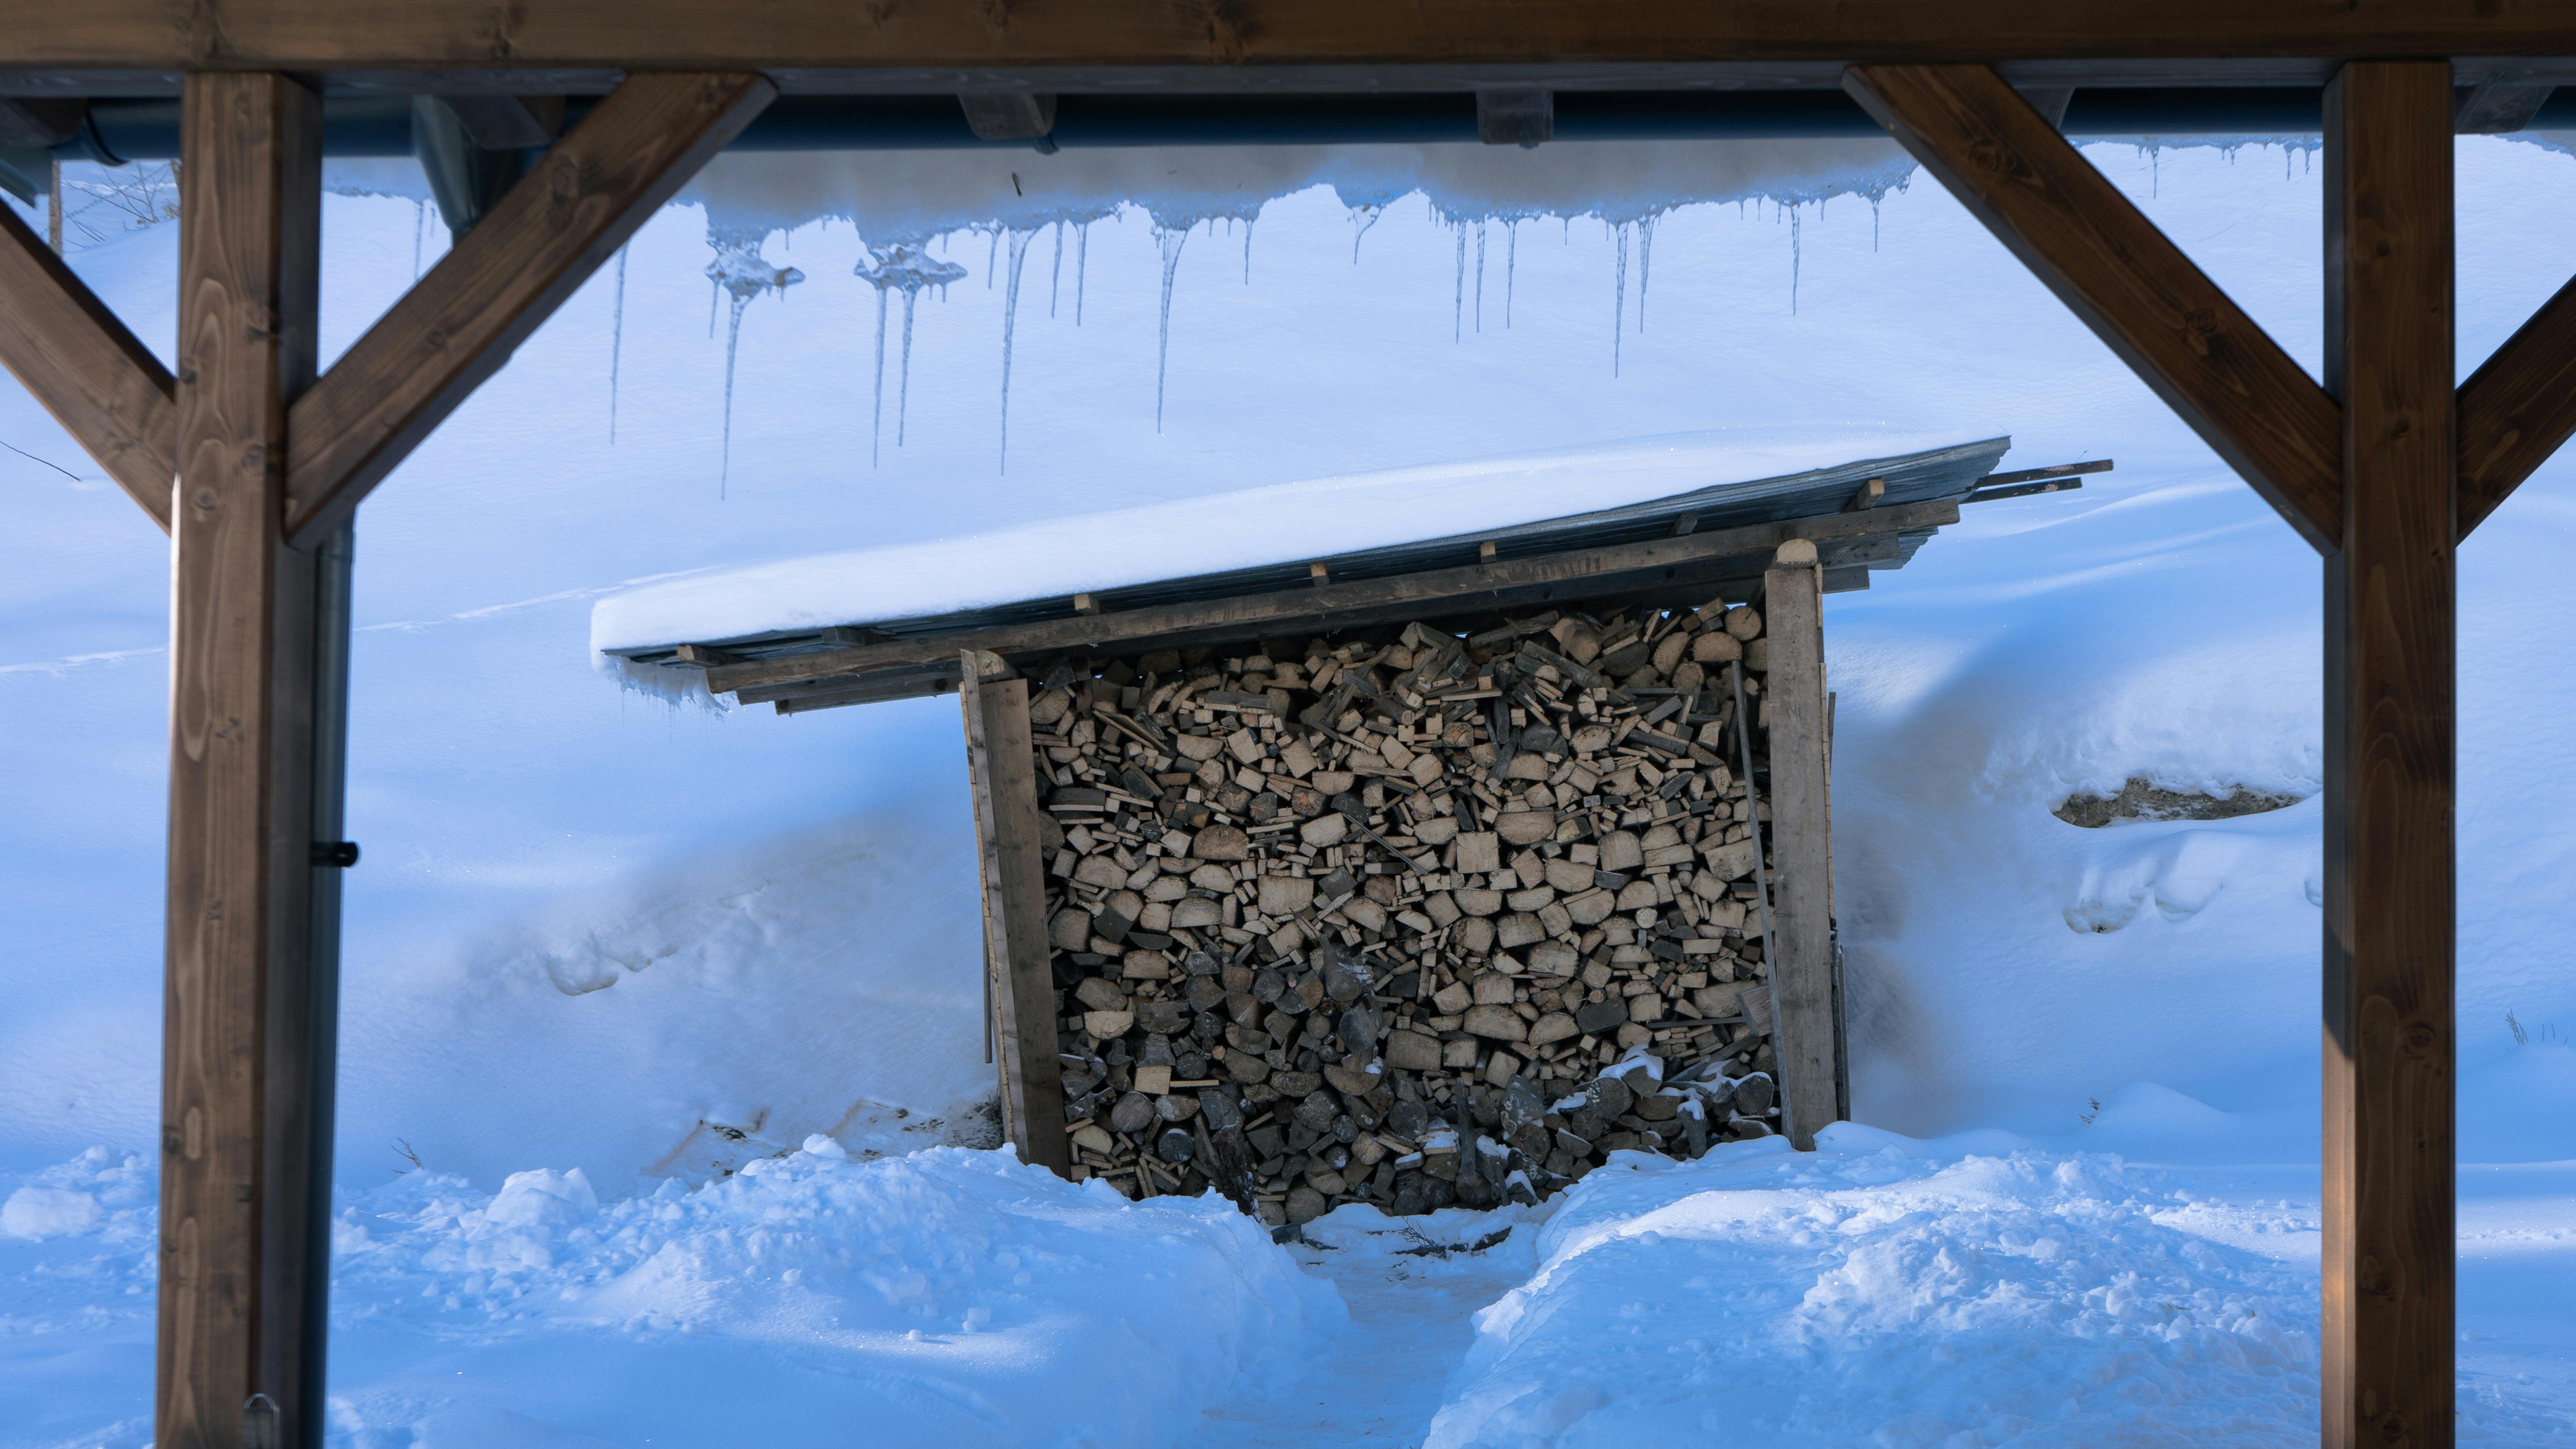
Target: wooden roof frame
{"x": 255, "y": 466}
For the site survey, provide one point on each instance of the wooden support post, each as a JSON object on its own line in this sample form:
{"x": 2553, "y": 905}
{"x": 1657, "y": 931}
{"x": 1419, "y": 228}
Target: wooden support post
{"x": 1018, "y": 967}
{"x": 2389, "y": 709}
{"x": 239, "y": 1075}
{"x": 1802, "y": 963}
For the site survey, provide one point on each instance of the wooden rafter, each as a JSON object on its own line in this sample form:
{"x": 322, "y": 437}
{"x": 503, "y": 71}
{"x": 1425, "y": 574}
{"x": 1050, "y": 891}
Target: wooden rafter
{"x": 2517, "y": 409}
{"x": 954, "y": 35}
{"x": 2139, "y": 293}
{"x": 74, "y": 356}
{"x": 458, "y": 325}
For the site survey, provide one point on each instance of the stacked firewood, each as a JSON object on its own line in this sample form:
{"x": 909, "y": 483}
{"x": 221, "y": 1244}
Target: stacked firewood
{"x": 1404, "y": 917}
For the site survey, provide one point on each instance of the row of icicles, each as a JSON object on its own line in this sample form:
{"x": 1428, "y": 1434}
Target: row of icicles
{"x": 739, "y": 271}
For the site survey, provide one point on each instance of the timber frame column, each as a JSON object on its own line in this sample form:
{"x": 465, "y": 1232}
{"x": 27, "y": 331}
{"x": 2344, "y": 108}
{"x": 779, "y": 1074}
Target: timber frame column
{"x": 2390, "y": 683}
{"x": 1019, "y": 972}
{"x": 1802, "y": 945}
{"x": 239, "y": 1082}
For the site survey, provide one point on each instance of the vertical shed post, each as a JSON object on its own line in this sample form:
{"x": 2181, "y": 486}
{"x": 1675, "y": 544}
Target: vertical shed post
{"x": 241, "y": 1073}
{"x": 2390, "y": 672}
{"x": 1802, "y": 967}
{"x": 1017, "y": 954}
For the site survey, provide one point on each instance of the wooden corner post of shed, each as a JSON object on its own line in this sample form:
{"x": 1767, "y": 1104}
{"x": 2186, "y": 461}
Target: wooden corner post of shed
{"x": 1018, "y": 961}
{"x": 2390, "y": 677}
{"x": 1793, "y": 715}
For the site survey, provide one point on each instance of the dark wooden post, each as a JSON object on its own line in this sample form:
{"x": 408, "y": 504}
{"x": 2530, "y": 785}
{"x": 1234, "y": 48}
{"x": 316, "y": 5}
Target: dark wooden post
{"x": 239, "y": 1081}
{"x": 1018, "y": 958}
{"x": 1802, "y": 965}
{"x": 2390, "y": 682}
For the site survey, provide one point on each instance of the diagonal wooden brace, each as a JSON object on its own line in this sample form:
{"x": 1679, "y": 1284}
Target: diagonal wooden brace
{"x": 459, "y": 325}
{"x": 2109, "y": 264}
{"x": 73, "y": 355}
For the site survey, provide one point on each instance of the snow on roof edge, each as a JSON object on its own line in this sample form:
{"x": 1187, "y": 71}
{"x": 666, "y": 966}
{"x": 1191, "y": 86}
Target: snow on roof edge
{"x": 1270, "y": 524}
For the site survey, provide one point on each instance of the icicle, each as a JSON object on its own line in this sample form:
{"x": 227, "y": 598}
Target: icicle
{"x": 715, "y": 289}
{"x": 739, "y": 270}
{"x": 1055, "y": 274}
{"x": 1458, "y": 287}
{"x": 616, "y": 343}
{"x": 1362, "y": 218}
{"x": 419, "y": 224}
{"x": 1645, "y": 267}
{"x": 1511, "y": 266}
{"x": 1794, "y": 257}
{"x": 992, "y": 244}
{"x": 1247, "y": 249}
{"x": 1010, "y": 315}
{"x": 1081, "y": 265}
{"x": 908, "y": 269}
{"x": 1873, "y": 224}
{"x": 876, "y": 403}
{"x": 1171, "y": 242}
{"x": 1480, "y": 275}
{"x": 903, "y": 391}
{"x": 1619, "y": 301}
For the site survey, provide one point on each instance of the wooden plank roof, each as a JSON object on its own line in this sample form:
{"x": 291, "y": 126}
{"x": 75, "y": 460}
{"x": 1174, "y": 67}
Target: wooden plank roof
{"x": 1685, "y": 546}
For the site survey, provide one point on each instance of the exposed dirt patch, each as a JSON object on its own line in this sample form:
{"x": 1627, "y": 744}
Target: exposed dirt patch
{"x": 2144, "y": 800}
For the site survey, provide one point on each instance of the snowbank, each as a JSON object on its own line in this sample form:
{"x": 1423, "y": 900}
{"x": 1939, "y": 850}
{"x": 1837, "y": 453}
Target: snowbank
{"x": 1279, "y": 523}
{"x": 1884, "y": 1294}
{"x": 950, "y": 1297}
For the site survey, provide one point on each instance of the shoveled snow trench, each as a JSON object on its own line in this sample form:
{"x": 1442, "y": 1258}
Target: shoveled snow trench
{"x": 1982, "y": 1290}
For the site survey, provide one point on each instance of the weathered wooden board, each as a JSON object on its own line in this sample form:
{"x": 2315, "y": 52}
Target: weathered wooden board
{"x": 2089, "y": 243}
{"x": 1793, "y": 712}
{"x": 1017, "y": 954}
{"x": 1592, "y": 571}
{"x": 238, "y": 1070}
{"x": 2390, "y": 913}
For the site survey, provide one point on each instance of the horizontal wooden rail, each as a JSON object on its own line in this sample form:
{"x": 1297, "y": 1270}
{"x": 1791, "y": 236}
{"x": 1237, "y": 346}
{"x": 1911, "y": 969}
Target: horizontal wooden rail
{"x": 1615, "y": 566}
{"x": 944, "y": 37}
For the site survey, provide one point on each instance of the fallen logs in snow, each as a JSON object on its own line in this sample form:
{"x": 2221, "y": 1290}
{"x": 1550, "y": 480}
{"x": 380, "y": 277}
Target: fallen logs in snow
{"x": 1405, "y": 917}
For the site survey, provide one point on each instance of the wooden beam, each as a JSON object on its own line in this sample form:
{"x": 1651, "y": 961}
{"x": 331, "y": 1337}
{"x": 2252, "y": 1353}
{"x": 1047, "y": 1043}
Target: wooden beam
{"x": 2107, "y": 262}
{"x": 2517, "y": 409}
{"x": 238, "y": 1070}
{"x": 975, "y": 37}
{"x": 74, "y": 356}
{"x": 1802, "y": 927}
{"x": 1018, "y": 954}
{"x": 2390, "y": 669}
{"x": 459, "y": 325}
{"x": 1426, "y": 594}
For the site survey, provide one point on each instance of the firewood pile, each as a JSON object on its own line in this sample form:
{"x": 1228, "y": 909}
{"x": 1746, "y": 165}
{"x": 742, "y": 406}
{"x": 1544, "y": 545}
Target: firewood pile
{"x": 1404, "y": 917}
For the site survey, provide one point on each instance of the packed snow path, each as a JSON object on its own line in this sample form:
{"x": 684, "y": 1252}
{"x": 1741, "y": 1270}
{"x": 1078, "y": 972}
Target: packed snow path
{"x": 1960, "y": 1294}
{"x": 1412, "y": 1287}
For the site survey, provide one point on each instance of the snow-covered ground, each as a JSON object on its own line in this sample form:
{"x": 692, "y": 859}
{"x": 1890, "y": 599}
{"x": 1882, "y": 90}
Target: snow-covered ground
{"x": 604, "y": 950}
